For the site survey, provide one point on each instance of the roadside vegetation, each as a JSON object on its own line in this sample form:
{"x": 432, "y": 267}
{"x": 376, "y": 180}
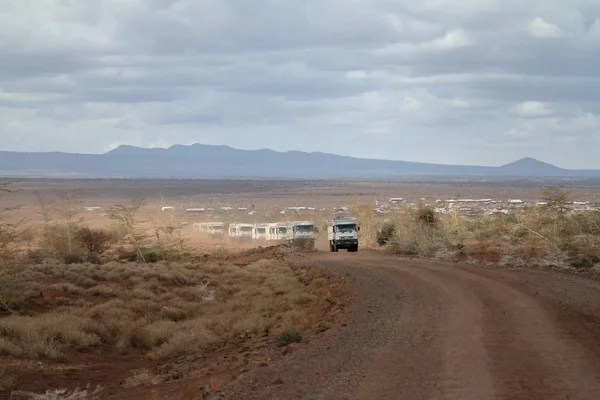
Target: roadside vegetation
{"x": 70, "y": 292}
{"x": 552, "y": 235}
{"x": 165, "y": 310}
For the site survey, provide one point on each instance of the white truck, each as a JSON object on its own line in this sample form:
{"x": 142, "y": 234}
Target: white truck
{"x": 240, "y": 231}
{"x": 342, "y": 233}
{"x": 301, "y": 233}
{"x": 276, "y": 232}
{"x": 259, "y": 231}
{"x": 212, "y": 229}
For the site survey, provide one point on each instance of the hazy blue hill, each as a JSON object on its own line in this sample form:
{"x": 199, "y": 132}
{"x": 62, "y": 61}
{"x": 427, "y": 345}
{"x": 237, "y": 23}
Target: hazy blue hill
{"x": 211, "y": 161}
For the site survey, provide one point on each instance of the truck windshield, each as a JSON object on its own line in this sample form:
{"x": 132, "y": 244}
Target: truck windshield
{"x": 304, "y": 228}
{"x": 346, "y": 228}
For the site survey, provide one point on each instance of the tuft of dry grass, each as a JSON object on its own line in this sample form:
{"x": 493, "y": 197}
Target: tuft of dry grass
{"x": 66, "y": 287}
{"x": 48, "y": 334}
{"x": 140, "y": 378}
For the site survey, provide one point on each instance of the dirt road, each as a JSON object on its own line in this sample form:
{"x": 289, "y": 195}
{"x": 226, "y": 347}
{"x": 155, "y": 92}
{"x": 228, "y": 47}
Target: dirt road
{"x": 427, "y": 330}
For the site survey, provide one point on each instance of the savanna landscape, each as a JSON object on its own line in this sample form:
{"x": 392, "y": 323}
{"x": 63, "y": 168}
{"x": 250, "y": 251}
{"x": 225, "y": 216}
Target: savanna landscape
{"x": 107, "y": 291}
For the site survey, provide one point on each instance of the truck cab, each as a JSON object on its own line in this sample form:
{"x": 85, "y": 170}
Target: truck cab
{"x": 301, "y": 233}
{"x": 245, "y": 231}
{"x": 259, "y": 232}
{"x": 276, "y": 232}
{"x": 342, "y": 233}
{"x": 215, "y": 229}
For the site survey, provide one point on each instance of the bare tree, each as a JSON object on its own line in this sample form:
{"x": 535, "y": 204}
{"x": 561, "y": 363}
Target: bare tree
{"x": 127, "y": 216}
{"x": 69, "y": 211}
{"x": 168, "y": 229}
{"x": 46, "y": 214}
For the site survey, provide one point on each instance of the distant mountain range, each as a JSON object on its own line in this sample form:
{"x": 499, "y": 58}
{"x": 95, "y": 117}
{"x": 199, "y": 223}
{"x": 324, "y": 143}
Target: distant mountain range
{"x": 208, "y": 161}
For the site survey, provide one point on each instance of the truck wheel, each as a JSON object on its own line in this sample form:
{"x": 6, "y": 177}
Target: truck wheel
{"x": 335, "y": 248}
{"x": 331, "y": 247}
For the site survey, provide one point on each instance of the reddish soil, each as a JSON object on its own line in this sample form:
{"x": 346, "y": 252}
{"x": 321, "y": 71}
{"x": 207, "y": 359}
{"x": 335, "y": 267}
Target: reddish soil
{"x": 245, "y": 257}
{"x": 432, "y": 330}
{"x": 183, "y": 378}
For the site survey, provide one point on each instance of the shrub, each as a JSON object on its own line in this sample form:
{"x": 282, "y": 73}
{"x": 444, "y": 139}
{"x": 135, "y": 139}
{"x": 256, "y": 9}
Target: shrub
{"x": 94, "y": 258}
{"x": 426, "y": 216}
{"x": 151, "y": 257}
{"x": 94, "y": 240}
{"x": 38, "y": 256}
{"x": 192, "y": 336}
{"x": 125, "y": 255}
{"x": 385, "y": 233}
{"x": 48, "y": 334}
{"x": 587, "y": 261}
{"x": 287, "y": 337}
{"x": 73, "y": 258}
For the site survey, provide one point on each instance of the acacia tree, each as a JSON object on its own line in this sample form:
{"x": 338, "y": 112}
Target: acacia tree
{"x": 557, "y": 200}
{"x": 127, "y": 216}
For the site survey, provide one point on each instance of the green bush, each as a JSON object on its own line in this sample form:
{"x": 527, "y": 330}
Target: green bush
{"x": 94, "y": 258}
{"x": 587, "y": 261}
{"x": 287, "y": 337}
{"x": 130, "y": 256}
{"x": 73, "y": 258}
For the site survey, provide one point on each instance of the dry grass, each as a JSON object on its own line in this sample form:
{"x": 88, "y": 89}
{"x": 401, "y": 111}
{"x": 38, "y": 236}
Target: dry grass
{"x": 165, "y": 310}
{"x": 530, "y": 236}
{"x": 141, "y": 377}
{"x": 47, "y": 334}
{"x": 59, "y": 394}
{"x": 7, "y": 383}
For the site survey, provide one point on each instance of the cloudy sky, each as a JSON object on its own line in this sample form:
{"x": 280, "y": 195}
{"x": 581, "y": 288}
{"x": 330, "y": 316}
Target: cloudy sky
{"x": 469, "y": 81}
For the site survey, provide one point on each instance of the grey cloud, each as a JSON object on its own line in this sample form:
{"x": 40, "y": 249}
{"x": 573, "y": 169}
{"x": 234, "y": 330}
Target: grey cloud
{"x": 394, "y": 77}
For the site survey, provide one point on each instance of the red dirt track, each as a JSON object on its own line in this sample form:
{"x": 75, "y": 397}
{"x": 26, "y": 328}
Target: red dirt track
{"x": 429, "y": 330}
